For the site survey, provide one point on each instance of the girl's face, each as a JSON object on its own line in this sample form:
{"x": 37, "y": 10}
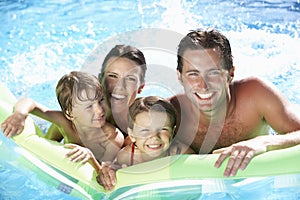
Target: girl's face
{"x": 152, "y": 132}
{"x": 89, "y": 113}
{"x": 122, "y": 83}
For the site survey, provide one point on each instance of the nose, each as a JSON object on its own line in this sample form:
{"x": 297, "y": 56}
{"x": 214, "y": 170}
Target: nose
{"x": 202, "y": 82}
{"x": 154, "y": 135}
{"x": 99, "y": 109}
{"x": 121, "y": 82}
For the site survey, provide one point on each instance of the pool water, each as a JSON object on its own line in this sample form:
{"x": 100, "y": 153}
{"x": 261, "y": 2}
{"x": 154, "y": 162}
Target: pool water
{"x": 42, "y": 40}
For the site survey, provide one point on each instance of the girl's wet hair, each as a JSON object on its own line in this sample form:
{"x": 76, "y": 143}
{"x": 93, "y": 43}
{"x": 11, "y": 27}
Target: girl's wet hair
{"x": 71, "y": 86}
{"x": 151, "y": 103}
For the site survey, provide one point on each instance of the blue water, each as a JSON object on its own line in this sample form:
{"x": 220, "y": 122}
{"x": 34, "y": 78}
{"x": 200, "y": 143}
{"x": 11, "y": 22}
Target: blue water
{"x": 42, "y": 40}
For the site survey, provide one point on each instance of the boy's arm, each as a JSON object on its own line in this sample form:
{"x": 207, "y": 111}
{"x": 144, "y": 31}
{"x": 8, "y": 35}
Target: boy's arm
{"x": 53, "y": 133}
{"x": 14, "y": 124}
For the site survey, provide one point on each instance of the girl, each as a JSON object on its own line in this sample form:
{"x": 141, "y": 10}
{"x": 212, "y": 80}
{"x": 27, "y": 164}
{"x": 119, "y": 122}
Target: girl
{"x": 152, "y": 121}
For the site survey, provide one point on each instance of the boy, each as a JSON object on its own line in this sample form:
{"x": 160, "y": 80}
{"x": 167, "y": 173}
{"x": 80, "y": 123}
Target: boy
{"x": 81, "y": 121}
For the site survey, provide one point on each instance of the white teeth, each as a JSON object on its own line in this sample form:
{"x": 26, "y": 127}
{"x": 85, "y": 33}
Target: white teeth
{"x": 153, "y": 146}
{"x": 204, "y": 96}
{"x": 118, "y": 96}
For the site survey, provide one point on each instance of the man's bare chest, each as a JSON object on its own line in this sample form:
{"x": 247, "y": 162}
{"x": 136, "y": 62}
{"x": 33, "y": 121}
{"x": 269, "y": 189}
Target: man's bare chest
{"x": 206, "y": 138}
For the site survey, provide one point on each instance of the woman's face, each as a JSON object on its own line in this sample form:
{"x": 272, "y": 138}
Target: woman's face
{"x": 122, "y": 83}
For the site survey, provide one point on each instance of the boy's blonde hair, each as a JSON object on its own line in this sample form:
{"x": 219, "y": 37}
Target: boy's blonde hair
{"x": 70, "y": 87}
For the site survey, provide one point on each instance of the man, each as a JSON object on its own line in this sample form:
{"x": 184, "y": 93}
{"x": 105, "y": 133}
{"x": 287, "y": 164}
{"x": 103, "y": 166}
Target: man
{"x": 219, "y": 115}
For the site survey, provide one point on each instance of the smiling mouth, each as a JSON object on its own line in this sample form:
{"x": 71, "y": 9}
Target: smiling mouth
{"x": 101, "y": 118}
{"x": 204, "y": 96}
{"x": 118, "y": 96}
{"x": 154, "y": 146}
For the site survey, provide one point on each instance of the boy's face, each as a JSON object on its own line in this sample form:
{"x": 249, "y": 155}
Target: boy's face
{"x": 204, "y": 80}
{"x": 152, "y": 132}
{"x": 89, "y": 113}
{"x": 122, "y": 83}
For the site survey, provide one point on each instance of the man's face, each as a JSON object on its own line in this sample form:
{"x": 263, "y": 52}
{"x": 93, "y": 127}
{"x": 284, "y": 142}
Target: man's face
{"x": 205, "y": 82}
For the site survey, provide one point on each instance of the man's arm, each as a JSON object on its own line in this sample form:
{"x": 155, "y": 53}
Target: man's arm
{"x": 279, "y": 113}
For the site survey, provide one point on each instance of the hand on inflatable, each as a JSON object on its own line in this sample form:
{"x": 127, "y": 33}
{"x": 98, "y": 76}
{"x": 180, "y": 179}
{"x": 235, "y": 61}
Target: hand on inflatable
{"x": 79, "y": 153}
{"x": 107, "y": 176}
{"x": 14, "y": 124}
{"x": 239, "y": 155}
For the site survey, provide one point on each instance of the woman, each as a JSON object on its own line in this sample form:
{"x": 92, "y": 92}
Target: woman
{"x": 123, "y": 77}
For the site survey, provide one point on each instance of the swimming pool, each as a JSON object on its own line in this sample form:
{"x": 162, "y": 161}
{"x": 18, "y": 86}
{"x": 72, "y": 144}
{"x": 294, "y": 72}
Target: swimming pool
{"x": 42, "y": 40}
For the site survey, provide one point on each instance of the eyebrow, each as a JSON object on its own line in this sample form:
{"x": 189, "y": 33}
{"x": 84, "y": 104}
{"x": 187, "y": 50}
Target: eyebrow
{"x": 110, "y": 72}
{"x": 195, "y": 70}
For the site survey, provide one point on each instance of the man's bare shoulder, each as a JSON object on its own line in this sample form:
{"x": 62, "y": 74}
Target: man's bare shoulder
{"x": 252, "y": 81}
{"x": 254, "y": 86}
{"x": 258, "y": 94}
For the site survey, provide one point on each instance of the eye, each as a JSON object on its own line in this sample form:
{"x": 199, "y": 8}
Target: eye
{"x": 145, "y": 130}
{"x": 101, "y": 101}
{"x": 165, "y": 129}
{"x": 143, "y": 133}
{"x": 89, "y": 106}
{"x": 214, "y": 73}
{"x": 131, "y": 79}
{"x": 193, "y": 74}
{"x": 111, "y": 75}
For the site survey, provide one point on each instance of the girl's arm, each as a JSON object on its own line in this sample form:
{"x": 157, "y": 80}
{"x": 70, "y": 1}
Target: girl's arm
{"x": 180, "y": 148}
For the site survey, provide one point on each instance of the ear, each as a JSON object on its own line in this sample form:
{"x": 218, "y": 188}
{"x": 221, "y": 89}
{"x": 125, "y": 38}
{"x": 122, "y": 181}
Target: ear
{"x": 68, "y": 115}
{"x": 179, "y": 77}
{"x": 173, "y": 132}
{"x": 140, "y": 89}
{"x": 231, "y": 74}
{"x": 132, "y": 138}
